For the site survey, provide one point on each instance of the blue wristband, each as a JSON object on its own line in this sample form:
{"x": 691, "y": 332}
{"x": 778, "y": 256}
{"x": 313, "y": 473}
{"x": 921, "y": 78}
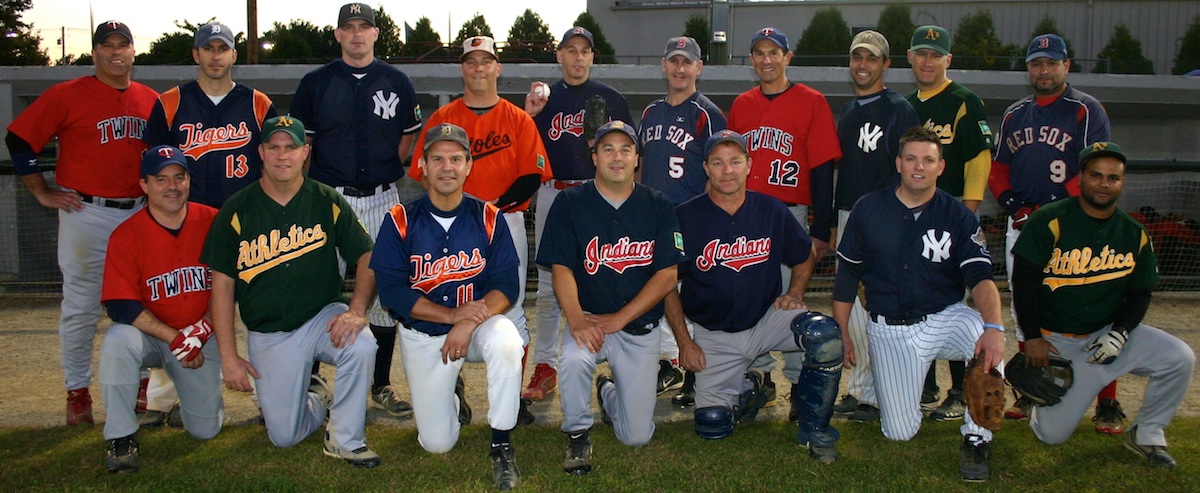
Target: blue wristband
{"x": 993, "y": 326}
{"x": 25, "y": 163}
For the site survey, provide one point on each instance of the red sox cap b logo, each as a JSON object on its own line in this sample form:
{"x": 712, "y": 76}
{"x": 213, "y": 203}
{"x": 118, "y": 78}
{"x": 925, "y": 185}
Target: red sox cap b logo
{"x": 1044, "y": 43}
{"x": 577, "y": 30}
{"x": 681, "y": 42}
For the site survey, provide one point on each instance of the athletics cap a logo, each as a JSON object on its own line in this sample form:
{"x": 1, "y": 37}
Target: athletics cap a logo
{"x": 932, "y": 34}
{"x": 284, "y": 122}
{"x": 1099, "y": 146}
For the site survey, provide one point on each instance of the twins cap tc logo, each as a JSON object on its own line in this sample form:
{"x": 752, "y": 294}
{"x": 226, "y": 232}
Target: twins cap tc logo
{"x": 113, "y": 24}
{"x": 166, "y": 152}
{"x": 932, "y": 34}
{"x": 766, "y": 31}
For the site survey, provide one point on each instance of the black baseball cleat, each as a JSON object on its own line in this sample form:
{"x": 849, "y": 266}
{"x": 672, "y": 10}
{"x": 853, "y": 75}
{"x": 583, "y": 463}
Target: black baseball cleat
{"x": 670, "y": 376}
{"x": 687, "y": 395}
{"x": 753, "y": 399}
{"x": 464, "y": 411}
{"x": 864, "y": 413}
{"x": 524, "y": 415}
{"x": 929, "y": 399}
{"x": 794, "y": 411}
{"x": 359, "y": 457}
{"x": 1156, "y": 454}
{"x": 122, "y": 455}
{"x": 505, "y": 474}
{"x": 768, "y": 388}
{"x": 846, "y": 406}
{"x": 579, "y": 453}
{"x": 951, "y": 409}
{"x": 974, "y": 456}
{"x": 601, "y": 381}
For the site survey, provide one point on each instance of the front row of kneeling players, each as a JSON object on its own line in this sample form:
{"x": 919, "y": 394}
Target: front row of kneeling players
{"x": 447, "y": 270}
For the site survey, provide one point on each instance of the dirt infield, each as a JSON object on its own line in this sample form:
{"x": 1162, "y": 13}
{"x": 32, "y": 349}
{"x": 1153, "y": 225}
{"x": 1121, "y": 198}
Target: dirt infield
{"x": 31, "y": 392}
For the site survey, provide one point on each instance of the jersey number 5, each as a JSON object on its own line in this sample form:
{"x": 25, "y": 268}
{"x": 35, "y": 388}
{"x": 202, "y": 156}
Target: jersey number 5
{"x": 236, "y": 167}
{"x": 784, "y": 174}
{"x": 675, "y": 167}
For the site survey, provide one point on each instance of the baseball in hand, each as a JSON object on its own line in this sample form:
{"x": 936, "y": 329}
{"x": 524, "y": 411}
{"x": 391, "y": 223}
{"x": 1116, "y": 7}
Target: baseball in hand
{"x": 542, "y": 91}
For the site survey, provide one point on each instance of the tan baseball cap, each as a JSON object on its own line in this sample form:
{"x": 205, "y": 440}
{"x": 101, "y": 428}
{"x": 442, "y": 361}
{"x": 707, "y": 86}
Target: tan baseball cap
{"x": 873, "y": 41}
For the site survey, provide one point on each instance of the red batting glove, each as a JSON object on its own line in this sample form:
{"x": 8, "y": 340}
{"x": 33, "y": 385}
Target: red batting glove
{"x": 1022, "y": 215}
{"x": 190, "y": 340}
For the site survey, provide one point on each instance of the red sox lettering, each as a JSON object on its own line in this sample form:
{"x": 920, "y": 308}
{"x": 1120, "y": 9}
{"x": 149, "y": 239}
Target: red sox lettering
{"x": 1048, "y": 135}
{"x": 740, "y": 254}
{"x": 622, "y": 255}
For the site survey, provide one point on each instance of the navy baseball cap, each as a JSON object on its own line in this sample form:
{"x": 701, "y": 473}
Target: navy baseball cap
{"x": 618, "y": 126}
{"x": 577, "y": 31}
{"x": 776, "y": 36}
{"x": 1047, "y": 45}
{"x": 213, "y": 30}
{"x": 155, "y": 159}
{"x": 108, "y": 28}
{"x": 722, "y": 137}
{"x": 353, "y": 11}
{"x": 447, "y": 132}
{"x": 683, "y": 45}
{"x": 284, "y": 123}
{"x": 1101, "y": 149}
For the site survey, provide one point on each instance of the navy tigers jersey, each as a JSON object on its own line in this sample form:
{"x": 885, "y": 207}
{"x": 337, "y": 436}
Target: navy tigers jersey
{"x": 220, "y": 140}
{"x": 672, "y": 145}
{"x": 561, "y": 124}
{"x": 731, "y": 276}
{"x": 416, "y": 257}
{"x": 869, "y": 128}
{"x": 613, "y": 252}
{"x": 356, "y": 123}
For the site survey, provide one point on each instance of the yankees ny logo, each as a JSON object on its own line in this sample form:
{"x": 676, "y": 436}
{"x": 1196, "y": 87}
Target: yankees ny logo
{"x": 868, "y": 137}
{"x": 936, "y": 249}
{"x": 385, "y": 106}
{"x": 356, "y": 8}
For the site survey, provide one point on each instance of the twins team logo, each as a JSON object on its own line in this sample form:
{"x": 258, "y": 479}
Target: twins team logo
{"x": 622, "y": 255}
{"x": 936, "y": 248}
{"x": 183, "y": 280}
{"x": 1082, "y": 266}
{"x": 775, "y": 139}
{"x": 272, "y": 249}
{"x": 735, "y": 256}
{"x": 166, "y": 152}
{"x": 566, "y": 123}
{"x": 429, "y": 273}
{"x": 198, "y": 141}
{"x": 120, "y": 128}
{"x": 385, "y": 104}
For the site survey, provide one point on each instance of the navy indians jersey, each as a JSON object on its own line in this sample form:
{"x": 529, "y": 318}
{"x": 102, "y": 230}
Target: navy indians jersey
{"x": 731, "y": 276}
{"x": 869, "y": 128}
{"x": 1040, "y": 141}
{"x": 220, "y": 140}
{"x": 415, "y": 257}
{"x": 356, "y": 123}
{"x": 673, "y": 145}
{"x": 561, "y": 126}
{"x": 912, "y": 262}
{"x": 613, "y": 252}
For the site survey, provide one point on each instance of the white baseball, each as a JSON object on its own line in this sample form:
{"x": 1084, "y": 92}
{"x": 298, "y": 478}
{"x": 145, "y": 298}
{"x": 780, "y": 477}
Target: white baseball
{"x": 542, "y": 91}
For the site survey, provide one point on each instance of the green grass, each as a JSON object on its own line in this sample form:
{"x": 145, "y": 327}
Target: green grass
{"x": 758, "y": 457}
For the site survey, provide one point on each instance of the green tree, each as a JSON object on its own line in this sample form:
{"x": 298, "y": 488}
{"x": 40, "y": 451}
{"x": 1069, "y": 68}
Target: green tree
{"x": 299, "y": 41}
{"x": 477, "y": 26}
{"x": 1123, "y": 54}
{"x": 604, "y": 51}
{"x": 976, "y": 45}
{"x": 1048, "y": 26}
{"x": 1188, "y": 57}
{"x": 18, "y": 43}
{"x": 697, "y": 27}
{"x": 388, "y": 46}
{"x": 895, "y": 23}
{"x": 827, "y": 34}
{"x": 529, "y": 39}
{"x": 172, "y": 48}
{"x": 424, "y": 43}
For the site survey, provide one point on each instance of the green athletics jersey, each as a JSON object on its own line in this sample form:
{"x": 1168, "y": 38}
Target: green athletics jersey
{"x": 1089, "y": 264}
{"x": 284, "y": 259}
{"x": 956, "y": 115}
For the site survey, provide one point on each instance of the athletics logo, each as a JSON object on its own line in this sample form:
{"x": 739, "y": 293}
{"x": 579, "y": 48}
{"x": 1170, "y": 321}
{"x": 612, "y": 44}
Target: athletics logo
{"x": 936, "y": 249}
{"x": 933, "y": 35}
{"x": 385, "y": 106}
{"x": 868, "y": 137}
{"x": 736, "y": 256}
{"x": 620, "y": 256}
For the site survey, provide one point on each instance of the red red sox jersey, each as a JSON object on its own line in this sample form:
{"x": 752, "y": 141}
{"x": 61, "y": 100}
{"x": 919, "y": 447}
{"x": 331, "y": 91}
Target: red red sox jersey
{"x": 150, "y": 264}
{"x": 100, "y": 129}
{"x": 505, "y": 145}
{"x": 788, "y": 136}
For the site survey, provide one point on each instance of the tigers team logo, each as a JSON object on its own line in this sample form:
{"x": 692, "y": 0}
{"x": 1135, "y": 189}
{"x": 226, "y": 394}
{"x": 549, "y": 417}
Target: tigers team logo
{"x": 429, "y": 273}
{"x": 619, "y": 256}
{"x": 735, "y": 256}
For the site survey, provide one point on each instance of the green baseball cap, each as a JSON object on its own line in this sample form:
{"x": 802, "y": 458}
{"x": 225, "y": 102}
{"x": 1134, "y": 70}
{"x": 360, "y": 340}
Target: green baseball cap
{"x": 1100, "y": 149}
{"x": 284, "y": 123}
{"x": 936, "y": 38}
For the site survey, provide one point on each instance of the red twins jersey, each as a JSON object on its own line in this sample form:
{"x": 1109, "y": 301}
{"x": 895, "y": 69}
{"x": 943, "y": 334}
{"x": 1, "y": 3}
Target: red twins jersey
{"x": 100, "y": 131}
{"x": 788, "y": 135}
{"x": 148, "y": 263}
{"x": 416, "y": 257}
{"x": 505, "y": 145}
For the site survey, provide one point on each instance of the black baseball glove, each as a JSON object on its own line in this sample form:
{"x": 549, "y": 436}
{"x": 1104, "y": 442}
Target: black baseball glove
{"x": 1043, "y": 386}
{"x": 594, "y": 116}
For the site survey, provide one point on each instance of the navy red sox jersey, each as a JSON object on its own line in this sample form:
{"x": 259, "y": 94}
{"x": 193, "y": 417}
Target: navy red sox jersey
{"x": 415, "y": 257}
{"x": 356, "y": 123}
{"x": 561, "y": 124}
{"x": 219, "y": 140}
{"x": 869, "y": 128}
{"x": 672, "y": 145}
{"x": 1040, "y": 140}
{"x": 912, "y": 262}
{"x": 731, "y": 276}
{"x": 613, "y": 252}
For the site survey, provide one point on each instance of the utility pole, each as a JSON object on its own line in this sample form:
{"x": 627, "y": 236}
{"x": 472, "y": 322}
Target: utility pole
{"x": 252, "y": 31}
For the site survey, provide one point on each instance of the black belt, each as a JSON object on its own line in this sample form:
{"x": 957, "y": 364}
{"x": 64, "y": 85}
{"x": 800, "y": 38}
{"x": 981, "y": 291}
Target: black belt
{"x": 350, "y": 191}
{"x": 115, "y": 204}
{"x": 896, "y": 320}
{"x": 641, "y": 330}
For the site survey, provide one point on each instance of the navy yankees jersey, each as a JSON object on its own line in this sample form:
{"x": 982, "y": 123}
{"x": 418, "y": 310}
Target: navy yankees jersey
{"x": 219, "y": 140}
{"x": 561, "y": 126}
{"x": 731, "y": 276}
{"x": 356, "y": 123}
{"x": 912, "y": 262}
{"x": 612, "y": 252}
{"x": 869, "y": 128}
{"x": 415, "y": 256}
{"x": 1040, "y": 140}
{"x": 672, "y": 145}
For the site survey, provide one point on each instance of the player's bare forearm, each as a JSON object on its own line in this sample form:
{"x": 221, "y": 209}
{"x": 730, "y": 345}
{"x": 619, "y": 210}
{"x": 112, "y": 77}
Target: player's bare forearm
{"x": 586, "y": 334}
{"x": 51, "y": 197}
{"x": 691, "y": 356}
{"x": 972, "y": 205}
{"x": 148, "y": 323}
{"x": 841, "y": 315}
{"x": 797, "y": 285}
{"x": 405, "y": 149}
{"x": 496, "y": 302}
{"x": 991, "y": 343}
{"x": 661, "y": 283}
{"x": 364, "y": 286}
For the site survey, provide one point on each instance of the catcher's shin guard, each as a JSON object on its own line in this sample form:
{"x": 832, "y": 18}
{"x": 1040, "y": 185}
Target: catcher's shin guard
{"x": 821, "y": 339}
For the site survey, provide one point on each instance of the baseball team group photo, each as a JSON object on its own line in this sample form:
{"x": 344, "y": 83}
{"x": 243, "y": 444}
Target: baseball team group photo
{"x": 759, "y": 291}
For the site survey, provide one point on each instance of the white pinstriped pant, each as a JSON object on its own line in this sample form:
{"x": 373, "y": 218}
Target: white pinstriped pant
{"x": 371, "y": 211}
{"x": 861, "y": 384}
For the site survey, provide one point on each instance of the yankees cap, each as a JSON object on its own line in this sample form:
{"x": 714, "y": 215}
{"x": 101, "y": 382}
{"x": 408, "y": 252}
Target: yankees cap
{"x": 108, "y": 28}
{"x": 683, "y": 45}
{"x": 936, "y": 38}
{"x": 618, "y": 126}
{"x": 1048, "y": 46}
{"x": 873, "y": 42}
{"x": 722, "y": 137}
{"x": 776, "y": 36}
{"x": 577, "y": 31}
{"x": 155, "y": 159}
{"x": 448, "y": 132}
{"x": 285, "y": 123}
{"x": 213, "y": 30}
{"x": 356, "y": 10}
{"x": 478, "y": 43}
{"x": 1099, "y": 150}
